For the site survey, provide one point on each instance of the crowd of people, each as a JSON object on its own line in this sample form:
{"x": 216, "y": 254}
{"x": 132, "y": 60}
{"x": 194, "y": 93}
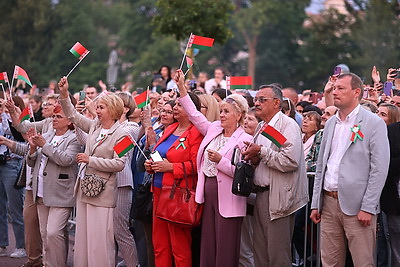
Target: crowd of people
{"x": 328, "y": 157}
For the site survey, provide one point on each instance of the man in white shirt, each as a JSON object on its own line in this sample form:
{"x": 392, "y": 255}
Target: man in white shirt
{"x": 351, "y": 172}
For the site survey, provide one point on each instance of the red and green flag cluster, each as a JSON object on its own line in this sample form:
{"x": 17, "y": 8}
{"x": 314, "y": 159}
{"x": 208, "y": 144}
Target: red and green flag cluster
{"x": 3, "y": 77}
{"x": 239, "y": 82}
{"x": 124, "y": 146}
{"x": 20, "y": 74}
{"x": 200, "y": 42}
{"x": 273, "y": 135}
{"x": 141, "y": 100}
{"x": 79, "y": 51}
{"x": 26, "y": 114}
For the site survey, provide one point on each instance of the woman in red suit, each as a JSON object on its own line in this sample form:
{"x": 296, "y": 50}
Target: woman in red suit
{"x": 179, "y": 144}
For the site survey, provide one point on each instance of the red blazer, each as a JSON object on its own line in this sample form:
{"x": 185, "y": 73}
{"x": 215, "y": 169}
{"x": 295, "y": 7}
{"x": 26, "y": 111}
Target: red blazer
{"x": 177, "y": 154}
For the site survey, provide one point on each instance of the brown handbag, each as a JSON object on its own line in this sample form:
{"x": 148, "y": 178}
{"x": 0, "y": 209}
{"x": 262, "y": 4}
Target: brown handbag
{"x": 177, "y": 204}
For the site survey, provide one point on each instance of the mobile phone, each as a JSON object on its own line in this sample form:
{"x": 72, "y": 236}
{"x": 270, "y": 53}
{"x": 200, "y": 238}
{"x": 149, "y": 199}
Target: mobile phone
{"x": 365, "y": 94}
{"x": 155, "y": 156}
{"x": 337, "y": 71}
{"x": 387, "y": 88}
{"x": 82, "y": 95}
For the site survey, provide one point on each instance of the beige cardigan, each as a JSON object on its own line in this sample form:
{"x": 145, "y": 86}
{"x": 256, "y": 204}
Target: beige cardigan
{"x": 103, "y": 160}
{"x": 286, "y": 170}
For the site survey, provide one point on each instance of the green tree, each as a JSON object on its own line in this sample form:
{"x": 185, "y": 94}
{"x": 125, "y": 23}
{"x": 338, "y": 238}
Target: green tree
{"x": 376, "y": 33}
{"x": 201, "y": 17}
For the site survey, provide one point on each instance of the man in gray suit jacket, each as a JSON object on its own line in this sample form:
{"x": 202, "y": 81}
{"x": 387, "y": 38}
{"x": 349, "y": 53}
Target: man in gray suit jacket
{"x": 351, "y": 172}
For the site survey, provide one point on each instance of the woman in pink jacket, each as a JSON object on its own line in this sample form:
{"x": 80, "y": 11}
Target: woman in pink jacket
{"x": 223, "y": 211}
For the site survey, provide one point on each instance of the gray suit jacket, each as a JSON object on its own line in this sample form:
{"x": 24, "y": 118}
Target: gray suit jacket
{"x": 59, "y": 174}
{"x": 363, "y": 168}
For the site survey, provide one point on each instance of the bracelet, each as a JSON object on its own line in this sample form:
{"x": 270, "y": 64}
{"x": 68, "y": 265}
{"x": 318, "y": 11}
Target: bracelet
{"x": 259, "y": 152}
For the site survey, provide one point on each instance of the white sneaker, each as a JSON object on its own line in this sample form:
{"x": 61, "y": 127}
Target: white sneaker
{"x": 121, "y": 264}
{"x": 18, "y": 253}
{"x": 3, "y": 252}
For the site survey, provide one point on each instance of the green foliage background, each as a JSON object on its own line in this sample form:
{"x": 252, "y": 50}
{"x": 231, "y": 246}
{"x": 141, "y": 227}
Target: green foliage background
{"x": 37, "y": 35}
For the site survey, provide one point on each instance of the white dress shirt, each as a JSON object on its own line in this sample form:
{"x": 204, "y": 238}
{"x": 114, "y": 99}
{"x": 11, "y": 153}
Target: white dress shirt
{"x": 340, "y": 140}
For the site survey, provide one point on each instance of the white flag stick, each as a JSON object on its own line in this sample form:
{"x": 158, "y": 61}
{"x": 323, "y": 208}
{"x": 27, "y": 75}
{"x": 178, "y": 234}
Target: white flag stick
{"x": 77, "y": 64}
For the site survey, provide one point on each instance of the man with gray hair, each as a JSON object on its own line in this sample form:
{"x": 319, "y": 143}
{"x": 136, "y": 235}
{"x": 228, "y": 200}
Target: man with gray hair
{"x": 280, "y": 179}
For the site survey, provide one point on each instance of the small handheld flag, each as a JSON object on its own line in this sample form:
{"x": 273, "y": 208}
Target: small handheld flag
{"x": 26, "y": 114}
{"x": 20, "y": 74}
{"x": 189, "y": 64}
{"x": 3, "y": 77}
{"x": 238, "y": 82}
{"x": 124, "y": 146}
{"x": 200, "y": 42}
{"x": 80, "y": 52}
{"x": 273, "y": 135}
{"x": 141, "y": 100}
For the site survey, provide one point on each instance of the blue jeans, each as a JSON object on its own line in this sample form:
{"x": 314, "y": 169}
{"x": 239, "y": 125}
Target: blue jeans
{"x": 11, "y": 201}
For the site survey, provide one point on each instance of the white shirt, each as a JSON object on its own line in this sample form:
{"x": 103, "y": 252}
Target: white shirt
{"x": 259, "y": 173}
{"x": 340, "y": 140}
{"x": 210, "y": 167}
{"x": 211, "y": 85}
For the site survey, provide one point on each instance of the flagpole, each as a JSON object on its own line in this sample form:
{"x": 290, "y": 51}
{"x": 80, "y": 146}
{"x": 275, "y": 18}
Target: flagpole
{"x": 148, "y": 100}
{"x": 184, "y": 75}
{"x": 33, "y": 116}
{"x": 12, "y": 83}
{"x": 187, "y": 45}
{"x": 94, "y": 99}
{"x": 141, "y": 151}
{"x": 77, "y": 64}
{"x": 226, "y": 90}
{"x": 4, "y": 92}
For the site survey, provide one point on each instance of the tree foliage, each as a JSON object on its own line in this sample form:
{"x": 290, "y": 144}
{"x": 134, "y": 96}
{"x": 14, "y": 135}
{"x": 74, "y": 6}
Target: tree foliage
{"x": 201, "y": 17}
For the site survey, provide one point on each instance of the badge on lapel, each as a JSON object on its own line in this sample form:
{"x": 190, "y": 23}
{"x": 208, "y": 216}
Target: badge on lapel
{"x": 356, "y": 133}
{"x": 181, "y": 144}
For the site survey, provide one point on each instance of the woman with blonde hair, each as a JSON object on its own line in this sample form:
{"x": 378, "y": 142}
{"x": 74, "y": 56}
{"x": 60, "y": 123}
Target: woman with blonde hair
{"x": 94, "y": 236}
{"x": 223, "y": 211}
{"x": 209, "y": 107}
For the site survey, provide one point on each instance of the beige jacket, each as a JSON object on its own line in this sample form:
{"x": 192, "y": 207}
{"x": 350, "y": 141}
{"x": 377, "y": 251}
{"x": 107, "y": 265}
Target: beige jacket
{"x": 103, "y": 160}
{"x": 285, "y": 169}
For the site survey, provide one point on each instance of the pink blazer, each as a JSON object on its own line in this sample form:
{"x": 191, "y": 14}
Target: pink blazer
{"x": 229, "y": 204}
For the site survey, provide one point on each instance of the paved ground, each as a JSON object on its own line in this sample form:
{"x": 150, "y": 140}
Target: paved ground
{"x": 10, "y": 262}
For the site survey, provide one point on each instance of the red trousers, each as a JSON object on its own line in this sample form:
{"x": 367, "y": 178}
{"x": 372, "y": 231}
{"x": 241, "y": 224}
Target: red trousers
{"x": 170, "y": 241}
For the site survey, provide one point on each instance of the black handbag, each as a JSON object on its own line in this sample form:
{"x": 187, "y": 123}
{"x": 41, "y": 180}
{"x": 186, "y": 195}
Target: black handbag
{"x": 242, "y": 184}
{"x": 142, "y": 208}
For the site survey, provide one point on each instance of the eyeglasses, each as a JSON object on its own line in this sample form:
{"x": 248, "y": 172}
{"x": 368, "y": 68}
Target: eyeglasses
{"x": 57, "y": 117}
{"x": 46, "y": 104}
{"x": 169, "y": 112}
{"x": 263, "y": 99}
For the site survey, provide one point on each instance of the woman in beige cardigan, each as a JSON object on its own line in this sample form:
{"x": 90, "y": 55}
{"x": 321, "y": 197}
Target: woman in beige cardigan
{"x": 94, "y": 236}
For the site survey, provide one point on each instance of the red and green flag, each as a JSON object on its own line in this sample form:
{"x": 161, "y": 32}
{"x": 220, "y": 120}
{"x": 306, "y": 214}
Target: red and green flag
{"x": 273, "y": 135}
{"x": 200, "y": 42}
{"x": 141, "y": 100}
{"x": 20, "y": 74}
{"x": 3, "y": 77}
{"x": 26, "y": 114}
{"x": 189, "y": 62}
{"x": 239, "y": 82}
{"x": 124, "y": 146}
{"x": 79, "y": 51}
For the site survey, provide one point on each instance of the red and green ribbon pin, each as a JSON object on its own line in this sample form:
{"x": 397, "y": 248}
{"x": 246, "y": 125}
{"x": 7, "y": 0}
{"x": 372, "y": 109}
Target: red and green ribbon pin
{"x": 356, "y": 133}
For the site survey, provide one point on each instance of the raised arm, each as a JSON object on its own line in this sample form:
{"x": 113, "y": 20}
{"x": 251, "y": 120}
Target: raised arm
{"x": 195, "y": 116}
{"x": 78, "y": 119}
